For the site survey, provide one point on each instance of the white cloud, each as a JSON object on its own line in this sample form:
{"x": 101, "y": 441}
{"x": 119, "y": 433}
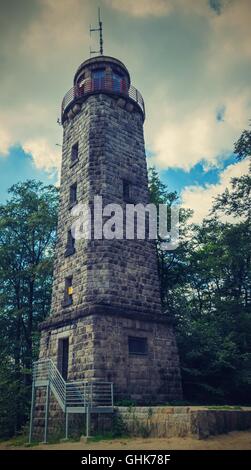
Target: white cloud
{"x": 146, "y": 8}
{"x": 5, "y": 141}
{"x": 230, "y": 35}
{"x": 56, "y": 31}
{"x": 200, "y": 199}
{"x": 44, "y": 156}
{"x": 182, "y": 128}
{"x": 142, "y": 8}
{"x": 31, "y": 126}
{"x": 45, "y": 51}
{"x": 185, "y": 137}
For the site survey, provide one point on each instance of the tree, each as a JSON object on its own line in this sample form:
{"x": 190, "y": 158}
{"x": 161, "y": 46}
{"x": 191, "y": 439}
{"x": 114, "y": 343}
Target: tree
{"x": 242, "y": 148}
{"x": 215, "y": 332}
{"x": 206, "y": 289}
{"x": 27, "y": 239}
{"x": 171, "y": 263}
{"x": 236, "y": 201}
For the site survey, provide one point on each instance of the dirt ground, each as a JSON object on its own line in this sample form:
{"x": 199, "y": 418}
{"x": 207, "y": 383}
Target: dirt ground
{"x": 233, "y": 441}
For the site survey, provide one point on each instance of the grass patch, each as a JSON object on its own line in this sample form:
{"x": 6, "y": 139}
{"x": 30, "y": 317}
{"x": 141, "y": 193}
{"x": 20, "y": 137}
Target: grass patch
{"x": 106, "y": 437}
{"x": 19, "y": 441}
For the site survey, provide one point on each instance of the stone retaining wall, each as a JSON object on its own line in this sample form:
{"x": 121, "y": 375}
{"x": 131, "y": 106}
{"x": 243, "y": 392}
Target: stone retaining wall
{"x": 156, "y": 421}
{"x": 182, "y": 421}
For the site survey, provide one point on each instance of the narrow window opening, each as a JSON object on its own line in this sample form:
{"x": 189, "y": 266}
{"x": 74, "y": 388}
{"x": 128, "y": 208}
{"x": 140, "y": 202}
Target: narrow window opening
{"x": 74, "y": 152}
{"x": 70, "y": 246}
{"x": 126, "y": 191}
{"x": 73, "y": 194}
{"x": 68, "y": 297}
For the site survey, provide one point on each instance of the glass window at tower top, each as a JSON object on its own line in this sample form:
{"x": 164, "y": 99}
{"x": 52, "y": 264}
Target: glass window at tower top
{"x": 113, "y": 82}
{"x": 117, "y": 81}
{"x": 99, "y": 73}
{"x": 98, "y": 78}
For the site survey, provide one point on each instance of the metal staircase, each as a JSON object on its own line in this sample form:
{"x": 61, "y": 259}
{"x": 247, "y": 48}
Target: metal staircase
{"x": 73, "y": 397}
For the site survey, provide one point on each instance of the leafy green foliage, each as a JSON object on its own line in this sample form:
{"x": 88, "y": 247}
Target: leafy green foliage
{"x": 242, "y": 148}
{"x": 171, "y": 263}
{"x": 206, "y": 290}
{"x": 27, "y": 240}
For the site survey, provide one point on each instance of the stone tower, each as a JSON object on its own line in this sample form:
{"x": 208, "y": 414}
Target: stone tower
{"x": 106, "y": 321}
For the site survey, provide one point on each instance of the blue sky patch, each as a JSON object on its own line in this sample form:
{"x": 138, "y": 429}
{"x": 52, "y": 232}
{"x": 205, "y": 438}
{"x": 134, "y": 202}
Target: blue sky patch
{"x": 177, "y": 179}
{"x": 19, "y": 166}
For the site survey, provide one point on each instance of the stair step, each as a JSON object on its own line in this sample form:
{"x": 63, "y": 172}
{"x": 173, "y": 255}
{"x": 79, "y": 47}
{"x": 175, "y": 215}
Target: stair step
{"x": 72, "y": 397}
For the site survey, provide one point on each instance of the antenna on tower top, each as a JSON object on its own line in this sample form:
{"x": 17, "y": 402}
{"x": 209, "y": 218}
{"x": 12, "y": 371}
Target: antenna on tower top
{"x": 100, "y": 29}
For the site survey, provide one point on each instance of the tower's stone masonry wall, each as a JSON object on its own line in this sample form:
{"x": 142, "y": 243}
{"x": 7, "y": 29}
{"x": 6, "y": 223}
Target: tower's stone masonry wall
{"x": 81, "y": 347}
{"x": 56, "y": 421}
{"x": 115, "y": 272}
{"x": 98, "y": 350}
{"x": 153, "y": 377}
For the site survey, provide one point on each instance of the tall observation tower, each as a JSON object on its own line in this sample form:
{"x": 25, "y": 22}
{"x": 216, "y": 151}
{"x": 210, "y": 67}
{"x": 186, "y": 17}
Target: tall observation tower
{"x": 106, "y": 322}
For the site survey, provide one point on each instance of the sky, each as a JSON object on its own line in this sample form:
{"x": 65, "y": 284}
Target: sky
{"x": 190, "y": 59}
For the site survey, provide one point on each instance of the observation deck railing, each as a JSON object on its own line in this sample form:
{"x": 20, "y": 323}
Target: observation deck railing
{"x": 107, "y": 85}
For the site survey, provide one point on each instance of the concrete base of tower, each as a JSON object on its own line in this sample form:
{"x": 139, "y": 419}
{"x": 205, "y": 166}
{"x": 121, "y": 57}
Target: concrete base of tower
{"x": 139, "y": 356}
